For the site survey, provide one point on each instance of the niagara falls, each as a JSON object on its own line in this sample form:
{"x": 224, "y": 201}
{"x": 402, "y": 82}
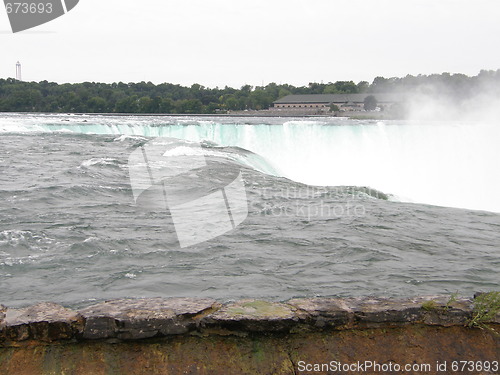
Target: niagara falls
{"x": 335, "y": 205}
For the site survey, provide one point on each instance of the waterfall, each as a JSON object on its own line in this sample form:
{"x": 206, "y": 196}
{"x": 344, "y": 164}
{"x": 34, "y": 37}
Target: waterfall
{"x": 440, "y": 163}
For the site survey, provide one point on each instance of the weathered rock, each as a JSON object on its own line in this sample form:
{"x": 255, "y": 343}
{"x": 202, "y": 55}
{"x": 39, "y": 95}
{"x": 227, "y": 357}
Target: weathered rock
{"x": 252, "y": 316}
{"x": 432, "y": 310}
{"x": 345, "y": 313}
{"x": 262, "y": 354}
{"x": 133, "y": 319}
{"x": 323, "y": 312}
{"x": 447, "y": 312}
{"x": 42, "y": 322}
{"x": 375, "y": 310}
{"x": 2, "y": 313}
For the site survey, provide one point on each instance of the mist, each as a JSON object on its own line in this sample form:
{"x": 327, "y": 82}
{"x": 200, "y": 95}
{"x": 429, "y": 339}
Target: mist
{"x": 453, "y": 97}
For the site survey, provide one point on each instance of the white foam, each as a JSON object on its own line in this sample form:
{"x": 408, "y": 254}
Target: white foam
{"x": 124, "y": 137}
{"x": 98, "y": 161}
{"x": 441, "y": 163}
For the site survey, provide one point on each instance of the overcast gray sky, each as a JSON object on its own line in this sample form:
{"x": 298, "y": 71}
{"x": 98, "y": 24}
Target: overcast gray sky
{"x": 233, "y": 42}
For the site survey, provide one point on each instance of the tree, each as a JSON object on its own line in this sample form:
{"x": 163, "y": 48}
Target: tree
{"x": 166, "y": 105}
{"x": 380, "y": 84}
{"x": 97, "y": 104}
{"x": 346, "y": 87}
{"x": 190, "y": 106}
{"x": 260, "y": 100}
{"x": 283, "y": 92}
{"x": 334, "y": 108}
{"x": 128, "y": 104}
{"x": 173, "y": 98}
{"x": 231, "y": 103}
{"x": 363, "y": 86}
{"x": 370, "y": 103}
{"x": 330, "y": 89}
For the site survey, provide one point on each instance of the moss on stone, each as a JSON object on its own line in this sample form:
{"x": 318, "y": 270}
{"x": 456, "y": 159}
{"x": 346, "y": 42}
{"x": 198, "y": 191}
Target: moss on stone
{"x": 259, "y": 309}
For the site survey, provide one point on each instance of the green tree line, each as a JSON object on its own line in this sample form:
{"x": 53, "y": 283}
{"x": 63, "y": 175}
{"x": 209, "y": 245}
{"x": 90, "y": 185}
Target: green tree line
{"x": 146, "y": 97}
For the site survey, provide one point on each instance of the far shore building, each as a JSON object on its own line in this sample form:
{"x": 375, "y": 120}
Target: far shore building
{"x": 322, "y": 103}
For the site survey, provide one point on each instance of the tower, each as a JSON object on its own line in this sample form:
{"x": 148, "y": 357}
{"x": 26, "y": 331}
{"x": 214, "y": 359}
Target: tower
{"x": 18, "y": 71}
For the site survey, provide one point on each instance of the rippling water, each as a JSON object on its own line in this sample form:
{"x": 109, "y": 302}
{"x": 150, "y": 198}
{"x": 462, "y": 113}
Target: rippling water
{"x": 71, "y": 232}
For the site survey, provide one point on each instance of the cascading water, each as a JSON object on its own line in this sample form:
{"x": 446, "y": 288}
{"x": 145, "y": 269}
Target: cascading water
{"x": 71, "y": 230}
{"x": 443, "y": 163}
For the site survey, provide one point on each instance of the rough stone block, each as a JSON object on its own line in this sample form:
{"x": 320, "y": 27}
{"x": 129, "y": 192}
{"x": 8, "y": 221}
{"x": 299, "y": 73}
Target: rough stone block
{"x": 43, "y": 322}
{"x": 432, "y": 310}
{"x": 323, "y": 312}
{"x": 2, "y": 313}
{"x": 134, "y": 319}
{"x": 252, "y": 316}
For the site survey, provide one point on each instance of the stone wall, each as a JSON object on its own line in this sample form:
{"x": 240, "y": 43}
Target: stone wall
{"x": 202, "y": 336}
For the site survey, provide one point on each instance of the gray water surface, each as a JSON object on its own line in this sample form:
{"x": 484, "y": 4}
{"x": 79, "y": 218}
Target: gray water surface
{"x": 70, "y": 232}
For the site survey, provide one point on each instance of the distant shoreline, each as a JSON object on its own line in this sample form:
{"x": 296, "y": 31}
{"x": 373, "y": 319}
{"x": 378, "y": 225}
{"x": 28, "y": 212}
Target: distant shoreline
{"x": 348, "y": 115}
